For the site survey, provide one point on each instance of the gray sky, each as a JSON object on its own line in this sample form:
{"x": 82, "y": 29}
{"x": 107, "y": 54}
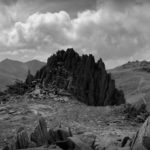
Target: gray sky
{"x": 115, "y": 30}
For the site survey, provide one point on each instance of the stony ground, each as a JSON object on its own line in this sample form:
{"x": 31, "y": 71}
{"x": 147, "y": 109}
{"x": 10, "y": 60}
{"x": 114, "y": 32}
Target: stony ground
{"x": 67, "y": 112}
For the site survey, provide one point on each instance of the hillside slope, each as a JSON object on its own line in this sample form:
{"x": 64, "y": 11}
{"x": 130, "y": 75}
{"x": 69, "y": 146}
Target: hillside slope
{"x": 34, "y": 65}
{"x": 134, "y": 79}
{"x": 11, "y": 70}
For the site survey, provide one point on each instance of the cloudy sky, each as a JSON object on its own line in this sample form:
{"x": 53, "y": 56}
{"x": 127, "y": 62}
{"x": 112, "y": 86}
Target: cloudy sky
{"x": 115, "y": 30}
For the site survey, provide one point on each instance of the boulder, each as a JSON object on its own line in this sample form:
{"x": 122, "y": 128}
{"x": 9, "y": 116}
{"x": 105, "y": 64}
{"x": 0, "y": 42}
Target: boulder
{"x": 146, "y": 142}
{"x": 12, "y": 145}
{"x": 22, "y": 139}
{"x": 40, "y": 134}
{"x": 58, "y": 135}
{"x": 141, "y": 140}
{"x": 66, "y": 145}
{"x": 126, "y": 142}
{"x": 78, "y": 144}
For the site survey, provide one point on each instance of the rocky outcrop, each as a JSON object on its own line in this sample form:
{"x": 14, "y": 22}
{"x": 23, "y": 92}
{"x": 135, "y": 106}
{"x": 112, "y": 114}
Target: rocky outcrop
{"x": 137, "y": 113}
{"x": 22, "y": 139}
{"x": 142, "y": 138}
{"x": 62, "y": 139}
{"x": 82, "y": 76}
{"x": 40, "y": 134}
{"x": 58, "y": 139}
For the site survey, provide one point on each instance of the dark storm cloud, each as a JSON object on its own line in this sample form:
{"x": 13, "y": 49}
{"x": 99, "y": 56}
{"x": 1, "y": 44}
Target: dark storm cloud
{"x": 8, "y": 2}
{"x": 122, "y": 5}
{"x": 70, "y": 6}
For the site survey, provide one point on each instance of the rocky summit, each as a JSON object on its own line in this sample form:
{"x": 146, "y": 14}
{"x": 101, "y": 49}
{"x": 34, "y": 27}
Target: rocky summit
{"x": 82, "y": 76}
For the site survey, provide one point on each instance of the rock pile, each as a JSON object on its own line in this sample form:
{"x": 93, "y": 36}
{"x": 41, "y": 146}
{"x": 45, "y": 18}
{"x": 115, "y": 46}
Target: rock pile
{"x": 42, "y": 139}
{"x": 41, "y": 93}
{"x": 82, "y": 76}
{"x": 141, "y": 141}
{"x": 142, "y": 138}
{"x": 136, "y": 113}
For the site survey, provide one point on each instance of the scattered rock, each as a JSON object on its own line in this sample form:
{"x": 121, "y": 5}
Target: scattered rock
{"x": 64, "y": 140}
{"x": 137, "y": 113}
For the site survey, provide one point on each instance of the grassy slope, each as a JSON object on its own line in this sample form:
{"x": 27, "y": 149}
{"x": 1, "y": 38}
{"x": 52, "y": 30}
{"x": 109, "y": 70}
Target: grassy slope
{"x": 11, "y": 70}
{"x": 134, "y": 83}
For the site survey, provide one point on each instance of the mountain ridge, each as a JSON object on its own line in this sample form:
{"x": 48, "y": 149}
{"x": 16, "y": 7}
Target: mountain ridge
{"x": 134, "y": 79}
{"x": 10, "y": 70}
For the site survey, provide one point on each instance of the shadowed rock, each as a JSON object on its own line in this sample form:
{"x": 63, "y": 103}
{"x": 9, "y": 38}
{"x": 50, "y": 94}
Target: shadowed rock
{"x": 58, "y": 135}
{"x": 66, "y": 145}
{"x": 126, "y": 142}
{"x": 146, "y": 142}
{"x": 82, "y": 76}
{"x": 22, "y": 139}
{"x": 141, "y": 140}
{"x": 40, "y": 135}
{"x": 79, "y": 145}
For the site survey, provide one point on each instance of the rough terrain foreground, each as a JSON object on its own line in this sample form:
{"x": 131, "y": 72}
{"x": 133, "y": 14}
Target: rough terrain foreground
{"x": 82, "y": 76}
{"x": 65, "y": 111}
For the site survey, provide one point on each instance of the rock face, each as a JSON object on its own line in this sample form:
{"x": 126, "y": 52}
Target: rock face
{"x": 40, "y": 134}
{"x": 22, "y": 139}
{"x": 142, "y": 138}
{"x": 58, "y": 139}
{"x": 82, "y": 76}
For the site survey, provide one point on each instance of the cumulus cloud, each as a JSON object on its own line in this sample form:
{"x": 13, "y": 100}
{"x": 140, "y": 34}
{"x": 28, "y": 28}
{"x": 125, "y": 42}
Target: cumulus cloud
{"x": 114, "y": 35}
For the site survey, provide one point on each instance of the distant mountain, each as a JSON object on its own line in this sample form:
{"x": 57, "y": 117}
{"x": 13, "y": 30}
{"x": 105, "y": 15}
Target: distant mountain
{"x": 134, "y": 79}
{"x": 34, "y": 65}
{"x": 10, "y": 70}
{"x": 135, "y": 65}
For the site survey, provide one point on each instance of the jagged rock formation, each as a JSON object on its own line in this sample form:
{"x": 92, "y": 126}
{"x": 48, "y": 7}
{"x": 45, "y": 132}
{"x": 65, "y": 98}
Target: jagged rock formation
{"x": 60, "y": 139}
{"x": 41, "y": 139}
{"x": 82, "y": 76}
{"x": 40, "y": 134}
{"x": 22, "y": 139}
{"x": 142, "y": 138}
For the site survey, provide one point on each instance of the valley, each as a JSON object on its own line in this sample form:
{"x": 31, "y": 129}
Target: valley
{"x": 11, "y": 70}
